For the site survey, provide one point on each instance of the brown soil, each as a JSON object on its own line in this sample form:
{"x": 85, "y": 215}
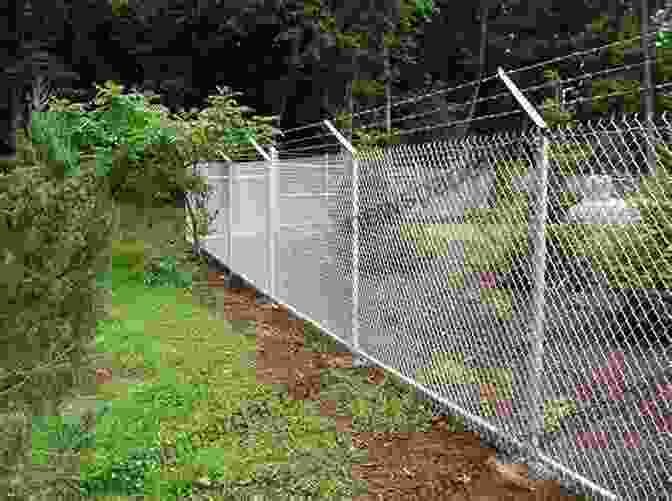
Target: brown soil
{"x": 439, "y": 465}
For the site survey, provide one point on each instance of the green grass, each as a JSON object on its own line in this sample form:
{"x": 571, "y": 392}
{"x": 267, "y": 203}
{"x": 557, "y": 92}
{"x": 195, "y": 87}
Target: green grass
{"x": 198, "y": 395}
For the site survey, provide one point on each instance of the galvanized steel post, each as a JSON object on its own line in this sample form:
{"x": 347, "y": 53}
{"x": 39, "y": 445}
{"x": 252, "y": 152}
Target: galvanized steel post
{"x": 537, "y": 232}
{"x": 272, "y": 221}
{"x": 354, "y": 174}
{"x": 537, "y": 334}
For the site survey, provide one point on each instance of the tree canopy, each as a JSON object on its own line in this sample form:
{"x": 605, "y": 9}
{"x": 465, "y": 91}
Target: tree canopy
{"x": 302, "y": 60}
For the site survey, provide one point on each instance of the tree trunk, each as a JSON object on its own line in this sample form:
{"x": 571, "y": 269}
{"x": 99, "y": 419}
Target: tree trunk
{"x": 291, "y": 79}
{"x": 41, "y": 91}
{"x": 349, "y": 107}
{"x": 388, "y": 92}
{"x": 481, "y": 65}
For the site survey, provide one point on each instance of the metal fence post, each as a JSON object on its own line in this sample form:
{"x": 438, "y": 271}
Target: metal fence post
{"x": 272, "y": 221}
{"x": 537, "y": 334}
{"x": 353, "y": 170}
{"x": 537, "y": 231}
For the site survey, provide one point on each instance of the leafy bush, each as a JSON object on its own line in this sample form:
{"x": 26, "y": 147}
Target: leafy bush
{"x": 367, "y": 139}
{"x": 144, "y": 150}
{"x": 638, "y": 256}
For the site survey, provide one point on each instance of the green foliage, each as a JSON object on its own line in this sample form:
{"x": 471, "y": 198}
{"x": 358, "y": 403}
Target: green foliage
{"x": 123, "y": 478}
{"x": 627, "y": 94}
{"x": 134, "y": 260}
{"x": 120, "y": 8}
{"x": 664, "y": 40}
{"x": 128, "y": 255}
{"x": 222, "y": 428}
{"x": 644, "y": 256}
{"x": 220, "y": 130}
{"x": 488, "y": 247}
{"x": 424, "y": 8}
{"x": 367, "y": 139}
{"x": 164, "y": 272}
{"x": 374, "y": 138}
{"x": 57, "y": 434}
{"x": 220, "y": 423}
{"x": 143, "y": 150}
{"x": 395, "y": 30}
{"x": 121, "y": 120}
{"x": 555, "y": 410}
{"x": 54, "y": 231}
{"x": 126, "y": 449}
{"x": 316, "y": 341}
{"x": 493, "y": 238}
{"x": 632, "y": 255}
{"x": 367, "y": 88}
{"x": 450, "y": 368}
{"x": 62, "y": 147}
{"x": 58, "y": 204}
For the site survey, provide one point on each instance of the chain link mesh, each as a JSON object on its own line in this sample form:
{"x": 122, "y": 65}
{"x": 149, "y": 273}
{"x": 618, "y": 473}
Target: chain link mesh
{"x": 446, "y": 285}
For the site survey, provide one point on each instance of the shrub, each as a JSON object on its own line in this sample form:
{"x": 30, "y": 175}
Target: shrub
{"x": 144, "y": 150}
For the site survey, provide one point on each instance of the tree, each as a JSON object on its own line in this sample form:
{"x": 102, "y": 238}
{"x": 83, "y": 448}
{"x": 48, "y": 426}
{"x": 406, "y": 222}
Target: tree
{"x": 43, "y": 76}
{"x": 10, "y": 31}
{"x": 379, "y": 34}
{"x": 483, "y": 45}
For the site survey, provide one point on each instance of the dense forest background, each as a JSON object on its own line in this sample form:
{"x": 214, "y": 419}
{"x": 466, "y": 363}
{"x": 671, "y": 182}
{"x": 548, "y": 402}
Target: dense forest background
{"x": 304, "y": 61}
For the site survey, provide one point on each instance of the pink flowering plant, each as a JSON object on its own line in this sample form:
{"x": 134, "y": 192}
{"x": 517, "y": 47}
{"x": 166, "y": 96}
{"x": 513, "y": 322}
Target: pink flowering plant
{"x": 611, "y": 377}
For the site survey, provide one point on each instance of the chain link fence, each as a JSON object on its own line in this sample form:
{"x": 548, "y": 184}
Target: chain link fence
{"x": 536, "y": 306}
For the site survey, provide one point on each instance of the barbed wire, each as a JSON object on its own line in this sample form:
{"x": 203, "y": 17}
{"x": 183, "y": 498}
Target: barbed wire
{"x": 380, "y": 108}
{"x": 515, "y": 112}
{"x": 302, "y": 139}
{"x": 532, "y": 88}
{"x": 307, "y": 148}
{"x": 525, "y": 68}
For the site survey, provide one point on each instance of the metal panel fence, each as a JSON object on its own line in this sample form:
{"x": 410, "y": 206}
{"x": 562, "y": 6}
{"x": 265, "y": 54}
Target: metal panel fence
{"x": 535, "y": 306}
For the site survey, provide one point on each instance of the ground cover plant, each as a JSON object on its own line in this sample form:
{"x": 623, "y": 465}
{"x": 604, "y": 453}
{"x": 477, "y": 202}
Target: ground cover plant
{"x": 204, "y": 394}
{"x": 234, "y": 400}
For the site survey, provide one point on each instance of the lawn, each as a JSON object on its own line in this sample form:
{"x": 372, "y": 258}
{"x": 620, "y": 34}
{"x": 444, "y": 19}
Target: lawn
{"x": 203, "y": 394}
{"x": 182, "y": 382}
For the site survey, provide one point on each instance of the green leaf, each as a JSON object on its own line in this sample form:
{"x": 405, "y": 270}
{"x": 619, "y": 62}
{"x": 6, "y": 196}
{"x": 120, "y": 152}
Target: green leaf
{"x": 424, "y": 8}
{"x": 664, "y": 39}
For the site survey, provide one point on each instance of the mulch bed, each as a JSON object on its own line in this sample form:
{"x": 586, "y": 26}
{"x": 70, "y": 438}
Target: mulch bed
{"x": 438, "y": 465}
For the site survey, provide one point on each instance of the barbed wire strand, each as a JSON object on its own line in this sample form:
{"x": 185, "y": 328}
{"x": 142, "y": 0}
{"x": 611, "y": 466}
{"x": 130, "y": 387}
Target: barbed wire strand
{"x": 476, "y": 82}
{"x": 529, "y": 89}
{"x": 515, "y": 112}
{"x": 511, "y": 72}
{"x": 532, "y": 88}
